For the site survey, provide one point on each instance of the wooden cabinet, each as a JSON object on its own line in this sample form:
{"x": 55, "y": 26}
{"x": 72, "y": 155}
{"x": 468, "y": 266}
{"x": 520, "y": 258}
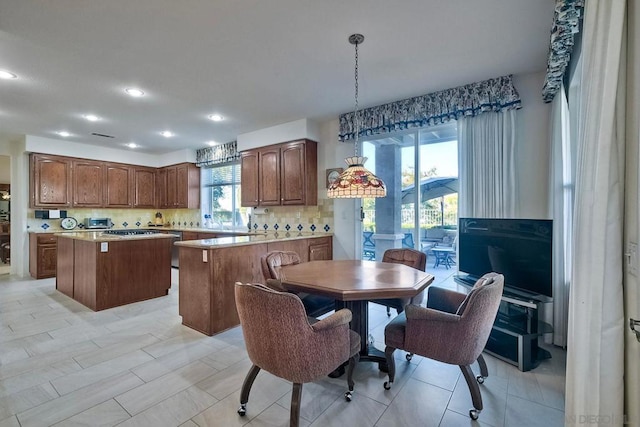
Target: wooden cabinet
{"x": 321, "y": 249}
{"x": 119, "y": 186}
{"x": 249, "y": 178}
{"x": 180, "y": 186}
{"x": 64, "y": 182}
{"x": 282, "y": 174}
{"x": 50, "y": 181}
{"x": 144, "y": 188}
{"x": 88, "y": 180}
{"x": 42, "y": 255}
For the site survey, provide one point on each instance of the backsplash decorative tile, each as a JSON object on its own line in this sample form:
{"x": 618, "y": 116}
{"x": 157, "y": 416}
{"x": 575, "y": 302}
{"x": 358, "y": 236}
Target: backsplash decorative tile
{"x": 308, "y": 218}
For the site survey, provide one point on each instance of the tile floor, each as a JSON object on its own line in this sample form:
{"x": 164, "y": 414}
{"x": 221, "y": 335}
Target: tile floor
{"x": 64, "y": 365}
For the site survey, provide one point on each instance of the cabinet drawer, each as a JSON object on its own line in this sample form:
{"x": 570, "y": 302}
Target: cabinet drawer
{"x": 43, "y": 240}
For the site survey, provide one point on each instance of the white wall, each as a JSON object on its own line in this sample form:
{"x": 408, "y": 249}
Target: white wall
{"x": 5, "y": 170}
{"x": 297, "y": 129}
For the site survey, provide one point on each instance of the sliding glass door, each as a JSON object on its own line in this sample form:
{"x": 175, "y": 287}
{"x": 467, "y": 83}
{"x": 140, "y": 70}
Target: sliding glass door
{"x": 420, "y": 169}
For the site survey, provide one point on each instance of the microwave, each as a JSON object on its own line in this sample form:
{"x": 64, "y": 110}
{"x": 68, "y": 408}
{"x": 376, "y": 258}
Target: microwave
{"x": 97, "y": 223}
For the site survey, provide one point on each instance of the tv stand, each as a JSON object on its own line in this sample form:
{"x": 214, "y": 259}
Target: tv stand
{"x": 515, "y": 332}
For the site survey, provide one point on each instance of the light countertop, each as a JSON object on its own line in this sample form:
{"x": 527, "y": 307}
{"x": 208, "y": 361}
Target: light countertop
{"x": 251, "y": 239}
{"x": 99, "y": 236}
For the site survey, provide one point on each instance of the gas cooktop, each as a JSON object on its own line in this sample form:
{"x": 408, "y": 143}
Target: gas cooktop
{"x": 130, "y": 232}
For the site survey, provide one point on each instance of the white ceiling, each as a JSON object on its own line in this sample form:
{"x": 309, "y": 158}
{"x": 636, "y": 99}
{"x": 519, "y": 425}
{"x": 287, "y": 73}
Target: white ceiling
{"x": 259, "y": 63}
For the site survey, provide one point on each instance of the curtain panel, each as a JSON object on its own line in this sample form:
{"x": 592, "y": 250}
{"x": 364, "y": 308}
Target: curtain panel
{"x": 566, "y": 22}
{"x": 497, "y": 94}
{"x": 223, "y": 153}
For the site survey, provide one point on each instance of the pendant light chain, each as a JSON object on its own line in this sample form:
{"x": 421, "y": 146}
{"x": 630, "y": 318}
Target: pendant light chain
{"x": 355, "y": 113}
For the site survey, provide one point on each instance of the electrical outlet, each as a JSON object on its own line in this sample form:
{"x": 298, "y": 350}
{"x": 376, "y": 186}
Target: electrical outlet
{"x": 298, "y": 215}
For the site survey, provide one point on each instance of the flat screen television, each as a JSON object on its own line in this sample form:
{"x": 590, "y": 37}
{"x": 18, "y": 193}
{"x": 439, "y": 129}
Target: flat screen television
{"x": 520, "y": 249}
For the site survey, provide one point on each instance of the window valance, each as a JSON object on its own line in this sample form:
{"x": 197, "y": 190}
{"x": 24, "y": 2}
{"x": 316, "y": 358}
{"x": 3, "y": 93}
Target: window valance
{"x": 497, "y": 94}
{"x": 223, "y": 153}
{"x": 566, "y": 22}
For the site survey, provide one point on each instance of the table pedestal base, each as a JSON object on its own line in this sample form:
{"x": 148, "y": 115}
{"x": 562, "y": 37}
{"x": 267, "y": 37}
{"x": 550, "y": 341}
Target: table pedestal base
{"x": 360, "y": 324}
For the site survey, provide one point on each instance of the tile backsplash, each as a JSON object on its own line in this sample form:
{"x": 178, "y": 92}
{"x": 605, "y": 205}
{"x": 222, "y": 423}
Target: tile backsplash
{"x": 303, "y": 218}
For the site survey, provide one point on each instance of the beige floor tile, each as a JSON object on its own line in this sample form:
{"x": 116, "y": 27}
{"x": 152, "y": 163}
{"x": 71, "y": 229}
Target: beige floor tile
{"x": 149, "y": 394}
{"x": 68, "y": 383}
{"x": 494, "y": 400}
{"x": 274, "y": 416}
{"x": 454, "y": 419}
{"x": 172, "y": 361}
{"x": 360, "y": 412}
{"x": 317, "y": 397}
{"x": 173, "y": 411}
{"x": 437, "y": 373}
{"x": 186, "y": 338}
{"x": 37, "y": 376}
{"x": 113, "y": 351}
{"x": 418, "y": 403}
{"x": 226, "y": 357}
{"x": 226, "y": 381}
{"x": 106, "y": 414}
{"x": 524, "y": 412}
{"x": 71, "y": 404}
{"x": 25, "y": 399}
{"x": 10, "y": 422}
{"x": 189, "y": 423}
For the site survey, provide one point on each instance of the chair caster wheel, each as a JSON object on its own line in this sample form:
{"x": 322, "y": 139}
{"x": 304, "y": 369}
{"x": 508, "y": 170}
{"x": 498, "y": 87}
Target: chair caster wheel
{"x": 409, "y": 356}
{"x": 348, "y": 396}
{"x": 474, "y": 414}
{"x": 387, "y": 385}
{"x": 242, "y": 410}
{"x": 480, "y": 379}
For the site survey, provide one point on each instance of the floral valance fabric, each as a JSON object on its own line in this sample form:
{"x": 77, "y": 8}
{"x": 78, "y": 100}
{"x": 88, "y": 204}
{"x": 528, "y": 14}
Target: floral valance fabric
{"x": 496, "y": 94}
{"x": 223, "y": 153}
{"x": 566, "y": 22}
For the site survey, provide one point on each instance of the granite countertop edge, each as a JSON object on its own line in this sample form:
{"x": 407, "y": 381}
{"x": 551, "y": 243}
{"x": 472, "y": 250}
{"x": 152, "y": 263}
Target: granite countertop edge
{"x": 251, "y": 239}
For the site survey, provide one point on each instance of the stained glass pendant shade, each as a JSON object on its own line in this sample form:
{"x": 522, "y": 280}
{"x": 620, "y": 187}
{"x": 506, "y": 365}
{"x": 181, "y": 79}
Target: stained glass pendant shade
{"x": 356, "y": 181}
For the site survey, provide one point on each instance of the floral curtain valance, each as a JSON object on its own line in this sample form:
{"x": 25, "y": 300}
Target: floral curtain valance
{"x": 223, "y": 153}
{"x": 566, "y": 20}
{"x": 496, "y": 94}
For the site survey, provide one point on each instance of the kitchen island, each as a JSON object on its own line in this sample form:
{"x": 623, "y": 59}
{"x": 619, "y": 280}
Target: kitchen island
{"x": 102, "y": 271}
{"x": 209, "y": 269}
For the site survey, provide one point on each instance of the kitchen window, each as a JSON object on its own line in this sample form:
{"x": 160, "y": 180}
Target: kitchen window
{"x": 220, "y": 197}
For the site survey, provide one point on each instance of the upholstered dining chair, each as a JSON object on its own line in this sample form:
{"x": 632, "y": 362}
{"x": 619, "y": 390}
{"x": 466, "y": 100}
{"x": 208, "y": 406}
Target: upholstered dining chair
{"x": 412, "y": 258}
{"x": 453, "y": 329}
{"x": 280, "y": 340}
{"x": 315, "y": 305}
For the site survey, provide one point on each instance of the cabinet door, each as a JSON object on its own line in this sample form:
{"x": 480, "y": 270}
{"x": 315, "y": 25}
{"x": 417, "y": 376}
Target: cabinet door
{"x": 161, "y": 188}
{"x": 249, "y": 178}
{"x": 88, "y": 179}
{"x": 47, "y": 260}
{"x": 293, "y": 174}
{"x": 320, "y": 249}
{"x": 172, "y": 178}
{"x": 119, "y": 186}
{"x": 144, "y": 184}
{"x": 182, "y": 186}
{"x": 269, "y": 177}
{"x": 50, "y": 180}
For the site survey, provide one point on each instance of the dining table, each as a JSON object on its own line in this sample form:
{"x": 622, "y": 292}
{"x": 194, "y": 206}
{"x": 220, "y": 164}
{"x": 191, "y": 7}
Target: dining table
{"x": 352, "y": 283}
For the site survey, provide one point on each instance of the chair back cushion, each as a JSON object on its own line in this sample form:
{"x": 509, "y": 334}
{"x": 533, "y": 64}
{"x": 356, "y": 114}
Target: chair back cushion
{"x": 280, "y": 340}
{"x": 272, "y": 261}
{"x": 406, "y": 256}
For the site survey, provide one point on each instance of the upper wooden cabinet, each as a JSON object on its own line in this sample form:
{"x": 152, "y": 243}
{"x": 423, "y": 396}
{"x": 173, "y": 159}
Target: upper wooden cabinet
{"x": 119, "y": 185}
{"x": 282, "y": 174}
{"x": 144, "y": 188}
{"x": 179, "y": 186}
{"x": 50, "y": 181}
{"x": 88, "y": 180}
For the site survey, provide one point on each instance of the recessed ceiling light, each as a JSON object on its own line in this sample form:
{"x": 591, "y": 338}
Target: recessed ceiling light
{"x": 211, "y": 143}
{"x": 64, "y": 133}
{"x": 166, "y": 134}
{"x": 135, "y": 92}
{"x": 92, "y": 117}
{"x": 7, "y": 75}
{"x": 132, "y": 145}
{"x": 216, "y": 117}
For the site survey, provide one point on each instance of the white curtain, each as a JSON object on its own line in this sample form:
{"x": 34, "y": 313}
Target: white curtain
{"x": 486, "y": 155}
{"x": 595, "y": 354}
{"x": 561, "y": 193}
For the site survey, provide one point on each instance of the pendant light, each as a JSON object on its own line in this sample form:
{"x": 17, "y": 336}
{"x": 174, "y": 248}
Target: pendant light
{"x": 356, "y": 181}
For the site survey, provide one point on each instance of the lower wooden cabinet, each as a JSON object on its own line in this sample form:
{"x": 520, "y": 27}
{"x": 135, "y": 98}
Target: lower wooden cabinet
{"x": 42, "y": 255}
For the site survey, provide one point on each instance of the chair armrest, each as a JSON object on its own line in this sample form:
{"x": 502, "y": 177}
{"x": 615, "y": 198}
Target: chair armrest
{"x": 276, "y": 285}
{"x": 417, "y": 313}
{"x": 444, "y": 299}
{"x": 340, "y": 317}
